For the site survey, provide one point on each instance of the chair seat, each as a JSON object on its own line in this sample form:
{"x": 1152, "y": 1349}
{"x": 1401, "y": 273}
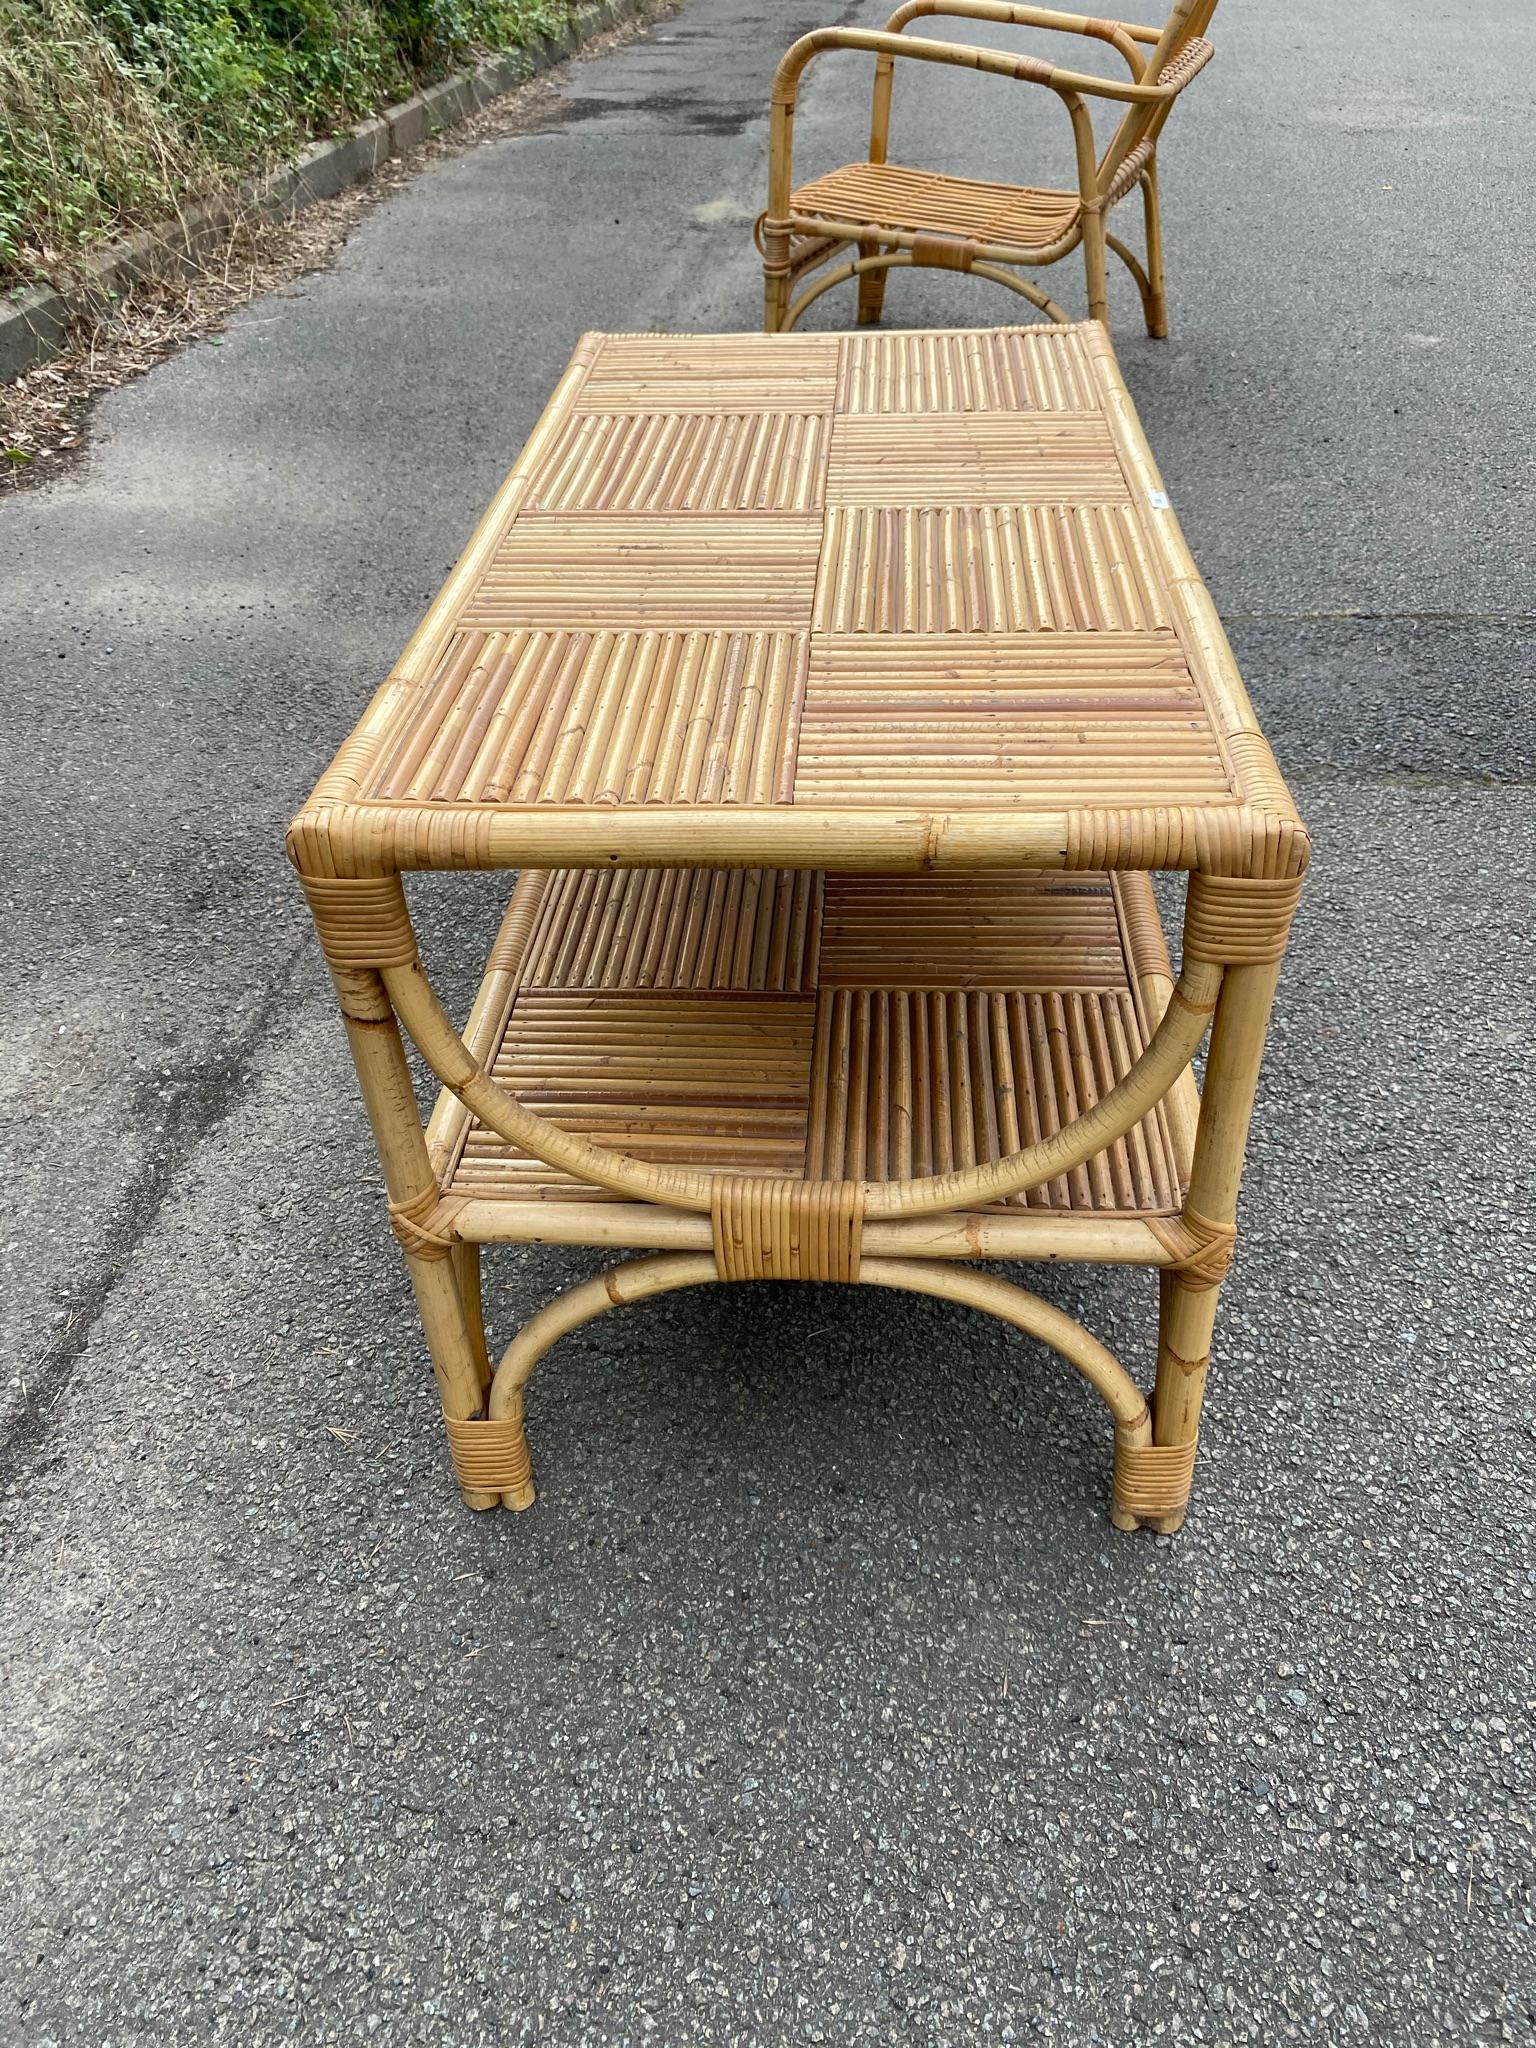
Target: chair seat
{"x": 895, "y": 196}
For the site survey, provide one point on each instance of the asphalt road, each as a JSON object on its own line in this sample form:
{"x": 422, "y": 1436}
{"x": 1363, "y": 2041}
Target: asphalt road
{"x": 817, "y": 1700}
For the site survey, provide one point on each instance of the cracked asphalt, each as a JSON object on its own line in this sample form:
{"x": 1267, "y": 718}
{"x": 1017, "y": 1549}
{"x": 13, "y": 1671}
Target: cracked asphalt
{"x": 816, "y": 1701}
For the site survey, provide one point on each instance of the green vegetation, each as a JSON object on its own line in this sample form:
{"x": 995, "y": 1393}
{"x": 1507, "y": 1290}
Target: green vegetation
{"x": 113, "y": 112}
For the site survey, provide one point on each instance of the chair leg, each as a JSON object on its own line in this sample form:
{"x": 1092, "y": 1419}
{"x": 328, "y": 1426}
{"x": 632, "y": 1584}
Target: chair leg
{"x": 871, "y": 288}
{"x": 1156, "y": 303}
{"x": 775, "y": 302}
{"x": 466, "y": 1266}
{"x": 1096, "y": 258}
{"x": 776, "y": 280}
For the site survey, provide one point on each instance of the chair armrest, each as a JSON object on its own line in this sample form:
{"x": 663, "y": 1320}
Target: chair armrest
{"x": 1122, "y": 37}
{"x": 1189, "y": 61}
{"x": 1003, "y": 63}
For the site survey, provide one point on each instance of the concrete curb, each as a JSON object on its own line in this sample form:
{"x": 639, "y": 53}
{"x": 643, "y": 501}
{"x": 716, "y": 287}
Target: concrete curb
{"x": 35, "y": 322}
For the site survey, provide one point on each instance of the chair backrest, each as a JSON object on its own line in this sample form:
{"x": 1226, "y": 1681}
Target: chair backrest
{"x": 1187, "y": 20}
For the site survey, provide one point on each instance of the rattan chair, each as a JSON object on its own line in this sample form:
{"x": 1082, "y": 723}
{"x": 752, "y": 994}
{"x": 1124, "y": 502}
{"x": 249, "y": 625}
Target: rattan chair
{"x": 893, "y": 215}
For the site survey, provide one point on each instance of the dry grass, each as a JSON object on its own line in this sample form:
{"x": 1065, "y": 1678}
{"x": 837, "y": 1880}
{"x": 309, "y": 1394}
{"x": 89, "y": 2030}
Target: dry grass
{"x": 44, "y": 416}
{"x": 86, "y": 148}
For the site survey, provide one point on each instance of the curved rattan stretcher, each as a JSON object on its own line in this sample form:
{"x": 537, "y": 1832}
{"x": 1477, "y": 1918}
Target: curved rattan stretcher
{"x": 881, "y": 216}
{"x": 753, "y": 1036}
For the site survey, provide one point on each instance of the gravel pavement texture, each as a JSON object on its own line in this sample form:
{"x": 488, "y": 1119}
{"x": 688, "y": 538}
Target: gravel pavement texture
{"x": 817, "y": 1701}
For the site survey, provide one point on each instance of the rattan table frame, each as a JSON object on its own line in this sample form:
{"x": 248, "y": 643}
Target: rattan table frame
{"x": 641, "y": 557}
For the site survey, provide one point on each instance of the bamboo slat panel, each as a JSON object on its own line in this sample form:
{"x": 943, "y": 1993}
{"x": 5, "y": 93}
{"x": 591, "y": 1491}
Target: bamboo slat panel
{"x": 1043, "y": 369}
{"x": 711, "y": 373}
{"x": 711, "y": 1080}
{"x": 971, "y": 931}
{"x": 727, "y": 929}
{"x": 899, "y": 584}
{"x": 669, "y": 571}
{"x": 841, "y": 1026}
{"x": 885, "y": 719}
{"x": 915, "y": 1082}
{"x": 563, "y": 717}
{"x": 1012, "y": 569}
{"x": 685, "y": 462}
{"x": 973, "y": 458}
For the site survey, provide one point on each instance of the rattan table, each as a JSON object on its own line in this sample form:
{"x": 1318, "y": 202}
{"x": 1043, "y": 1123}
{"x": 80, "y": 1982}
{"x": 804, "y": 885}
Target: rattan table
{"x": 835, "y": 697}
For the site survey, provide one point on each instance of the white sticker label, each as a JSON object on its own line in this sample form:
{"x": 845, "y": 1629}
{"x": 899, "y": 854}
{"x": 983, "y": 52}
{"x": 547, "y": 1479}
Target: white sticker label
{"x": 1158, "y": 500}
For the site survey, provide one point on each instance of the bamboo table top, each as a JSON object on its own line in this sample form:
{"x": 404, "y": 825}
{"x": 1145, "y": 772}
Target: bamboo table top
{"x": 890, "y": 601}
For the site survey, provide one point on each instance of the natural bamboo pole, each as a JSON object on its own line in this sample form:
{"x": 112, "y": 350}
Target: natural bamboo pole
{"x": 613, "y": 1289}
{"x": 1112, "y": 32}
{"x": 1187, "y": 1312}
{"x": 967, "y": 56}
{"x": 1037, "y": 1318}
{"x": 871, "y": 283}
{"x": 865, "y": 839}
{"x": 385, "y": 1081}
{"x": 1094, "y": 245}
{"x": 1041, "y": 1238}
{"x": 1156, "y": 300}
{"x": 466, "y": 1270}
{"x": 487, "y": 1018}
{"x": 870, "y": 267}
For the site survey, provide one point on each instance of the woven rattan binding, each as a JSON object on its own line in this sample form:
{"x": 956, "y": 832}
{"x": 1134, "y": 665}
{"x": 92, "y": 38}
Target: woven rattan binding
{"x": 1237, "y": 920}
{"x": 490, "y": 1456}
{"x": 939, "y": 251}
{"x": 776, "y": 1229}
{"x": 1132, "y": 165}
{"x": 1202, "y": 1250}
{"x": 412, "y": 1223}
{"x": 1154, "y": 1479}
{"x": 362, "y": 922}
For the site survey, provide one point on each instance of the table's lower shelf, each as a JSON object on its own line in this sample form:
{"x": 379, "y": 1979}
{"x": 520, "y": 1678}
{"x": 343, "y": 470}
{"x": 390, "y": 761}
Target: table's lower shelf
{"x": 834, "y": 1026}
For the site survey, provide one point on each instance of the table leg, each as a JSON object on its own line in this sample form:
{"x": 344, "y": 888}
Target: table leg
{"x": 776, "y": 279}
{"x": 436, "y": 1276}
{"x": 1189, "y": 1296}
